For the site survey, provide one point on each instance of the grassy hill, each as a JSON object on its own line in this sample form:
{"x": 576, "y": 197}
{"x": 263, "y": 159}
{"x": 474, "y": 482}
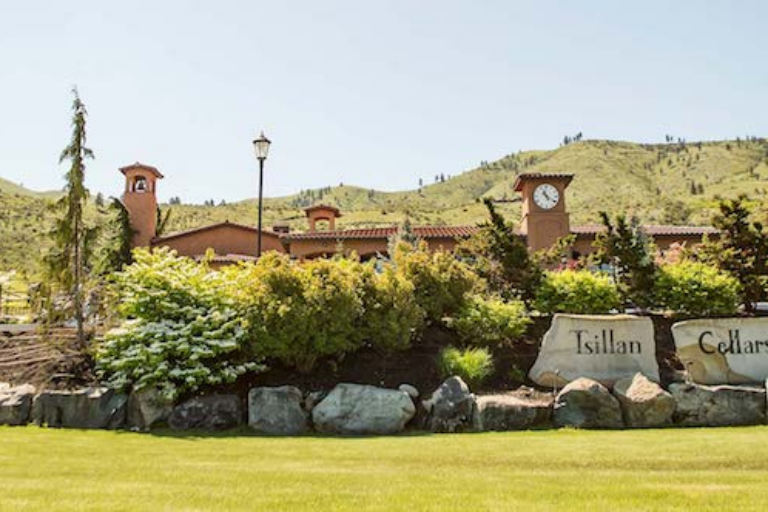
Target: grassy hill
{"x": 676, "y": 183}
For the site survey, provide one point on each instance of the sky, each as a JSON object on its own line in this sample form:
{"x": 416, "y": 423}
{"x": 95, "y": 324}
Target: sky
{"x": 370, "y": 93}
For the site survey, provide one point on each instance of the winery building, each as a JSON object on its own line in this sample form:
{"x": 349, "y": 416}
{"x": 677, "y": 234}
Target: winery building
{"x": 544, "y": 220}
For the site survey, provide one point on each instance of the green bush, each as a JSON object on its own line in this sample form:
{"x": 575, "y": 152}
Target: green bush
{"x": 473, "y": 365}
{"x": 491, "y": 322}
{"x": 695, "y": 288}
{"x": 391, "y": 318}
{"x": 441, "y": 282}
{"x": 576, "y": 291}
{"x": 298, "y": 313}
{"x": 182, "y": 330}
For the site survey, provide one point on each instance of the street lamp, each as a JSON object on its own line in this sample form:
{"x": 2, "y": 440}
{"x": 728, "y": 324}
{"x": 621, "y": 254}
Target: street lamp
{"x": 261, "y": 146}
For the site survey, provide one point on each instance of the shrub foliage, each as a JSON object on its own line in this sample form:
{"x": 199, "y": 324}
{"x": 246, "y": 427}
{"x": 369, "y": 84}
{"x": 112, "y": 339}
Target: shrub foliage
{"x": 491, "y": 322}
{"x": 695, "y": 288}
{"x": 576, "y": 291}
{"x": 473, "y": 365}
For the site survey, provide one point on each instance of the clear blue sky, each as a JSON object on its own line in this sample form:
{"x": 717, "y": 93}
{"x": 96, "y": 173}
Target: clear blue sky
{"x": 376, "y": 94}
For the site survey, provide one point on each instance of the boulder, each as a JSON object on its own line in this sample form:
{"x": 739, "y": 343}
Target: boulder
{"x": 605, "y": 348}
{"x": 585, "y": 403}
{"x": 15, "y": 403}
{"x": 723, "y": 350}
{"x": 712, "y": 406}
{"x": 211, "y": 412}
{"x": 277, "y": 411}
{"x": 84, "y": 408}
{"x": 356, "y": 409}
{"x": 147, "y": 408}
{"x": 643, "y": 402}
{"x": 411, "y": 390}
{"x": 519, "y": 410}
{"x": 451, "y": 407}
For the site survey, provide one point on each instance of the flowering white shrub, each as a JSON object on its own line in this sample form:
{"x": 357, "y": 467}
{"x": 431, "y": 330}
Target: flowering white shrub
{"x": 181, "y": 332}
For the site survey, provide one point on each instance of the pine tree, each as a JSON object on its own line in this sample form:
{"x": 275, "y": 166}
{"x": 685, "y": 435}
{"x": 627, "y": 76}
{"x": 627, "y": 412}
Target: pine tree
{"x": 73, "y": 239}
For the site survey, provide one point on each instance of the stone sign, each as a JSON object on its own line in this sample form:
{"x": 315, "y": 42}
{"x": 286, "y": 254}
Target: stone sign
{"x": 723, "y": 350}
{"x": 605, "y": 348}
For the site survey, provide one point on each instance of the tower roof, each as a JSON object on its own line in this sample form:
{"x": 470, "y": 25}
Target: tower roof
{"x": 323, "y": 207}
{"x": 529, "y": 176}
{"x": 140, "y": 166}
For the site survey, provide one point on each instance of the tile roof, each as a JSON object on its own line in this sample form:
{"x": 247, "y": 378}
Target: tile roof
{"x": 426, "y": 232}
{"x": 209, "y": 227}
{"x": 518, "y": 185}
{"x": 139, "y": 165}
{"x": 227, "y": 258}
{"x": 652, "y": 230}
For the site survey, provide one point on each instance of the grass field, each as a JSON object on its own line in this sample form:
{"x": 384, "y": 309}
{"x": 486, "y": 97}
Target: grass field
{"x": 693, "y": 469}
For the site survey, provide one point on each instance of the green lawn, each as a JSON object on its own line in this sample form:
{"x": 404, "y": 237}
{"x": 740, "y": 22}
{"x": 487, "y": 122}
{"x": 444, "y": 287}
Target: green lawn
{"x": 694, "y": 469}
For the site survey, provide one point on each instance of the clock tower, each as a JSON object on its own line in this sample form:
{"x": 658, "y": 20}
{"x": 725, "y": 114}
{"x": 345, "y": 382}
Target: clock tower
{"x": 544, "y": 217}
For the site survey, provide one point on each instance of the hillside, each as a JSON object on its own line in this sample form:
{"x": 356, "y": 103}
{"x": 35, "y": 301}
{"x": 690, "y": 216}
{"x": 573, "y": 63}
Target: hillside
{"x": 660, "y": 183}
{"x": 675, "y": 183}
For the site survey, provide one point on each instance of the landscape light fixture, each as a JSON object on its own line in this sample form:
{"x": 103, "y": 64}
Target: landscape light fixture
{"x": 261, "y": 147}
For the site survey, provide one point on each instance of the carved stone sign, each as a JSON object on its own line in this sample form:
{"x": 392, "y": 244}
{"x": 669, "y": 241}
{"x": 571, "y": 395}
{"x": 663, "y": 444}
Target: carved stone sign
{"x": 723, "y": 350}
{"x": 605, "y": 348}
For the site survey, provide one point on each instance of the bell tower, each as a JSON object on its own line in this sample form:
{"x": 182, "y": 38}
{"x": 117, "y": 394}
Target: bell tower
{"x": 141, "y": 202}
{"x": 544, "y": 216}
{"x": 322, "y": 213}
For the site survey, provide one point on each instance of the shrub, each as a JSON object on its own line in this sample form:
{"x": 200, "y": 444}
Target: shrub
{"x": 391, "y": 317}
{"x": 695, "y": 288}
{"x": 491, "y": 322}
{"x": 576, "y": 291}
{"x": 182, "y": 333}
{"x": 440, "y": 281}
{"x": 474, "y": 365}
{"x": 298, "y": 313}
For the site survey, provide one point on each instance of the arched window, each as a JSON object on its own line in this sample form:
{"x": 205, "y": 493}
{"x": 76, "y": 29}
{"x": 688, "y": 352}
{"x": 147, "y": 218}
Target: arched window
{"x": 140, "y": 185}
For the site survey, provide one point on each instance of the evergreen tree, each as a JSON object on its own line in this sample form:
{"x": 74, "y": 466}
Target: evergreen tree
{"x": 625, "y": 246}
{"x": 115, "y": 252}
{"x": 740, "y": 248}
{"x": 500, "y": 257}
{"x": 73, "y": 239}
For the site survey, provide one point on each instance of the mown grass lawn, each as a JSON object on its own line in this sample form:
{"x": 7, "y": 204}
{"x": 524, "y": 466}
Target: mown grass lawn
{"x": 692, "y": 469}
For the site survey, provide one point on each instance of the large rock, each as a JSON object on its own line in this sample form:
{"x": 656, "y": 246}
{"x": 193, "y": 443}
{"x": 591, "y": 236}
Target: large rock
{"x": 15, "y": 403}
{"x": 451, "y": 407}
{"x": 147, "y": 408}
{"x": 85, "y": 408}
{"x": 605, "y": 348}
{"x": 643, "y": 402}
{"x": 519, "y": 410}
{"x": 713, "y": 406}
{"x": 356, "y": 409}
{"x": 723, "y": 350}
{"x": 585, "y": 403}
{"x": 277, "y": 411}
{"x": 211, "y": 412}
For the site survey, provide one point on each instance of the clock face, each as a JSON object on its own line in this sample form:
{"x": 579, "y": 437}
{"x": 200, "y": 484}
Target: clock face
{"x": 546, "y": 196}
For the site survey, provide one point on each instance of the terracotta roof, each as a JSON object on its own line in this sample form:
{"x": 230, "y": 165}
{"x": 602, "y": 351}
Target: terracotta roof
{"x": 316, "y": 207}
{"x": 139, "y": 165}
{"x": 383, "y": 233}
{"x": 518, "y": 186}
{"x": 227, "y": 258}
{"x": 652, "y": 230}
{"x": 209, "y": 227}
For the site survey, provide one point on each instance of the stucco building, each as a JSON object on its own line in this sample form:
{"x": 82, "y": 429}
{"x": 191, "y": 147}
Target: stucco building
{"x": 544, "y": 219}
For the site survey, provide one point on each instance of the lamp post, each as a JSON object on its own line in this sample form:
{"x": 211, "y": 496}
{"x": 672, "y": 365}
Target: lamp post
{"x": 261, "y": 146}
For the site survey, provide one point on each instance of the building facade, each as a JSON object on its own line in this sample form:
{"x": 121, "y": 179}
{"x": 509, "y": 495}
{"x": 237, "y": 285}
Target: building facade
{"x": 544, "y": 220}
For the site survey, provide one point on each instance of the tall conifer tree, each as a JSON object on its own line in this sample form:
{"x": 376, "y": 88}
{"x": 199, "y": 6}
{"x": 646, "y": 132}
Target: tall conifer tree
{"x": 73, "y": 239}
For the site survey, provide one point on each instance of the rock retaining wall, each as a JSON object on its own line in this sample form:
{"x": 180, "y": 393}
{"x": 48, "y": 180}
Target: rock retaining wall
{"x": 353, "y": 409}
